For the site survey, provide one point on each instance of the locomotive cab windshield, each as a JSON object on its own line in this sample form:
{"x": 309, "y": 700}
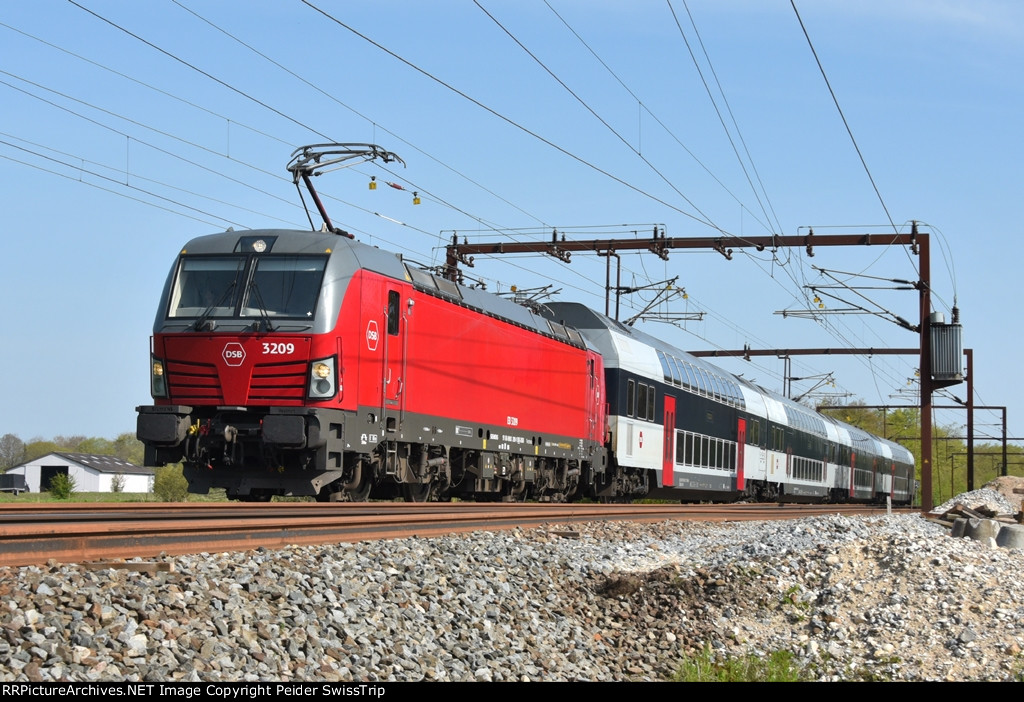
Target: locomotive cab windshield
{"x": 246, "y": 286}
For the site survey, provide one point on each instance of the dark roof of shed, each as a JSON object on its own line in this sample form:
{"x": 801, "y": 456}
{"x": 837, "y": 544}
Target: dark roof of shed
{"x": 104, "y": 464}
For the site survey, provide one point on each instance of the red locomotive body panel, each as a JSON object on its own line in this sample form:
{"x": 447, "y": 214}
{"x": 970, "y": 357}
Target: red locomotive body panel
{"x": 441, "y": 360}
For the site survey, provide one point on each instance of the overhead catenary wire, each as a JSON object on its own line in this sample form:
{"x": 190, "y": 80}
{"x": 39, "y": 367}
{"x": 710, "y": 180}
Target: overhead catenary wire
{"x": 714, "y": 103}
{"x": 80, "y": 169}
{"x": 354, "y": 111}
{"x": 510, "y": 121}
{"x": 705, "y": 219}
{"x": 643, "y": 105}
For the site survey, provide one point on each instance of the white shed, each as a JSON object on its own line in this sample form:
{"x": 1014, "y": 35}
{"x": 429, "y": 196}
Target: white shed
{"x": 90, "y": 472}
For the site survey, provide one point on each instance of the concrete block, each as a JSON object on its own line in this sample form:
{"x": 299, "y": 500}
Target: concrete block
{"x": 1011, "y": 536}
{"x": 982, "y": 529}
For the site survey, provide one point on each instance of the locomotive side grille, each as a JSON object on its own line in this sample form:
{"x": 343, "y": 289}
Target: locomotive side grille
{"x": 276, "y": 382}
{"x": 194, "y": 383}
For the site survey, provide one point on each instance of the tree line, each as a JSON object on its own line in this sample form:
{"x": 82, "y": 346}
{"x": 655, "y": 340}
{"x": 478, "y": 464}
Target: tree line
{"x": 14, "y": 451}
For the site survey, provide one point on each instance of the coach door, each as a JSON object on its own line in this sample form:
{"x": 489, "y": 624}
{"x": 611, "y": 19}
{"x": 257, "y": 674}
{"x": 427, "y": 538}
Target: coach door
{"x": 741, "y": 446}
{"x": 668, "y": 459}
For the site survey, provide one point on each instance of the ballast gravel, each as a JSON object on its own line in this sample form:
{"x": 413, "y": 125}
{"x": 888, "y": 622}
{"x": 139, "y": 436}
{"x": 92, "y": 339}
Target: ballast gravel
{"x": 877, "y": 598}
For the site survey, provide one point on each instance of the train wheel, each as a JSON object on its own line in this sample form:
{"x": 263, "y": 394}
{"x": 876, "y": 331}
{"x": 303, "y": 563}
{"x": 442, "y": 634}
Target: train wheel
{"x": 336, "y": 493}
{"x": 362, "y": 492}
{"x": 360, "y": 495}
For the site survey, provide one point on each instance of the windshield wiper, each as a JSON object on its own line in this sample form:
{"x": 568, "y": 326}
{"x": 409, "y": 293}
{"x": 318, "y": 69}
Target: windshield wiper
{"x": 264, "y": 315}
{"x": 201, "y": 321}
{"x": 204, "y": 317}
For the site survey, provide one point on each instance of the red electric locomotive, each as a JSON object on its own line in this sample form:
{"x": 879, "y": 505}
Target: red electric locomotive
{"x": 305, "y": 363}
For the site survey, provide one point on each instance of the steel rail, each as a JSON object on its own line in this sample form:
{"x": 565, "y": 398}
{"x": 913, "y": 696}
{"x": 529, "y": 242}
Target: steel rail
{"x": 42, "y": 533}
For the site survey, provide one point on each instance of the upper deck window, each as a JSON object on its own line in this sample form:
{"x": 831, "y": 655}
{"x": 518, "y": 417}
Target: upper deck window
{"x": 665, "y": 369}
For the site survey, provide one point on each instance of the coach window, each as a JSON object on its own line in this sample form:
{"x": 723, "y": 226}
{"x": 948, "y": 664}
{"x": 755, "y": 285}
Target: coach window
{"x": 630, "y": 397}
{"x": 705, "y": 384}
{"x": 698, "y": 381}
{"x": 690, "y": 380}
{"x": 778, "y": 439}
{"x": 716, "y": 384}
{"x": 754, "y": 433}
{"x": 641, "y": 401}
{"x": 665, "y": 369}
{"x": 650, "y": 403}
{"x": 678, "y": 377}
{"x": 393, "y": 312}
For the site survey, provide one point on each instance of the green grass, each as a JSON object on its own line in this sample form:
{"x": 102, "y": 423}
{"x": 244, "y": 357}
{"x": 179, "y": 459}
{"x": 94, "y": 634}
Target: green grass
{"x": 41, "y": 497}
{"x": 778, "y": 666}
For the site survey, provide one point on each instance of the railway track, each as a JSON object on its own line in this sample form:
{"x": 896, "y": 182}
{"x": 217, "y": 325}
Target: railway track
{"x": 67, "y": 533}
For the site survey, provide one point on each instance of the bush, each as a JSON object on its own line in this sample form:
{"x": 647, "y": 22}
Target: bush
{"x": 169, "y": 485}
{"x": 117, "y": 483}
{"x": 62, "y": 486}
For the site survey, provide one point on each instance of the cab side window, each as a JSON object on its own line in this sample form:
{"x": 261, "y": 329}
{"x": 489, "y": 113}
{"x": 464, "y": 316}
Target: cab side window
{"x": 393, "y": 312}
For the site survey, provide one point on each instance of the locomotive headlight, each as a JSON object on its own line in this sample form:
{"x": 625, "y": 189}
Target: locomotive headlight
{"x": 158, "y": 381}
{"x": 323, "y": 378}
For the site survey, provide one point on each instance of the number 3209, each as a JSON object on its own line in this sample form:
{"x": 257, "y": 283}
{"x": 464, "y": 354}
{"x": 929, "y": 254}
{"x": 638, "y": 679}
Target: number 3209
{"x": 276, "y": 348}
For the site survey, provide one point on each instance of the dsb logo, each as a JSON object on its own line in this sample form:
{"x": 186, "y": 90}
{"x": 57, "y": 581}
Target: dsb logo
{"x": 372, "y": 335}
{"x": 233, "y": 354}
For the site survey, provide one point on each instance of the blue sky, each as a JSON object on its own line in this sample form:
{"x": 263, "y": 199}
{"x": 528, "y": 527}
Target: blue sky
{"x": 127, "y": 128}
